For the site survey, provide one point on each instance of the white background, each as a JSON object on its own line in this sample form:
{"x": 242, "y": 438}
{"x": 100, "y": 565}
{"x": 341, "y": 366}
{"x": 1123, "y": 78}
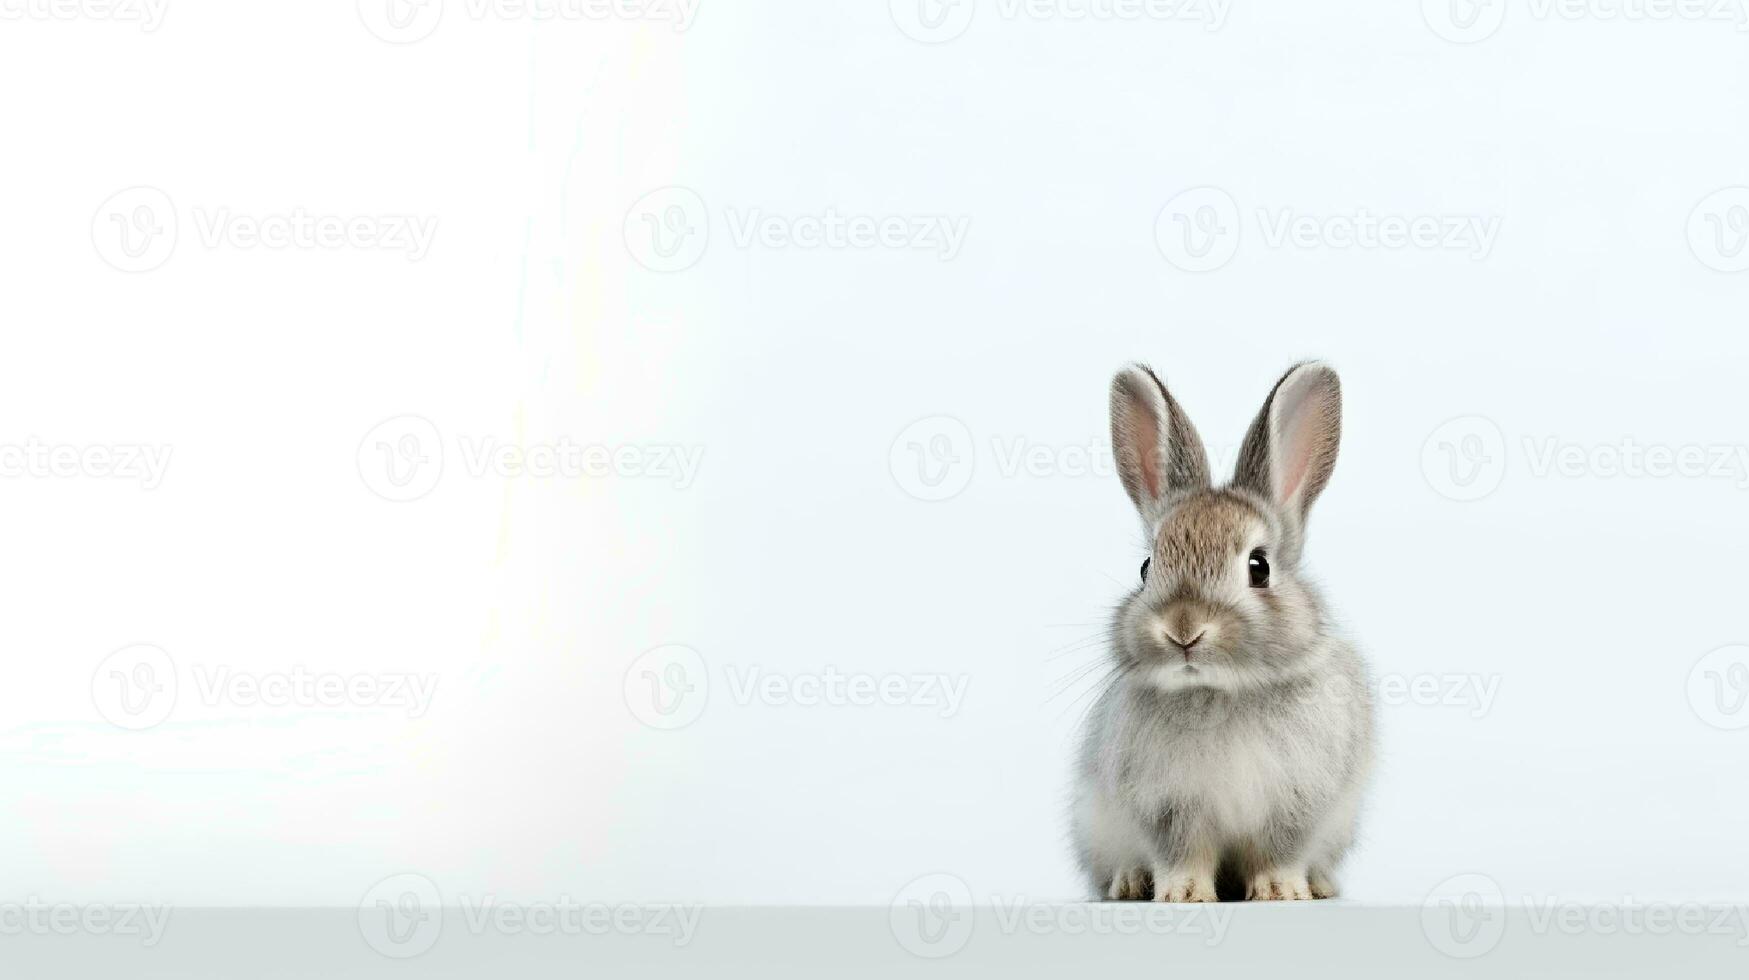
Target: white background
{"x": 1586, "y": 598}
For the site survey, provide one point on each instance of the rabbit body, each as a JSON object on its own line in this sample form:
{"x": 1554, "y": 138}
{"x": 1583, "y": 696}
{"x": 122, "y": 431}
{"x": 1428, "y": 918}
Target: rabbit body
{"x": 1230, "y": 754}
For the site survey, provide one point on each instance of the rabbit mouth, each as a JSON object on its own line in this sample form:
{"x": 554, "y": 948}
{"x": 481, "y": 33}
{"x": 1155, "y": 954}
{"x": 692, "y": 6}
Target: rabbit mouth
{"x": 1188, "y": 659}
{"x": 1177, "y": 675}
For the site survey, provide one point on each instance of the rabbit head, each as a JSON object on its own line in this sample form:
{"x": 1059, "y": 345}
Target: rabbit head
{"x": 1221, "y": 602}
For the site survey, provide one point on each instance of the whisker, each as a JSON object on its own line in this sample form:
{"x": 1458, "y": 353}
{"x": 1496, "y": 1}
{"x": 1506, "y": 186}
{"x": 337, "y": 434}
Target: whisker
{"x": 1078, "y": 646}
{"x": 1062, "y": 685}
{"x": 1104, "y": 684}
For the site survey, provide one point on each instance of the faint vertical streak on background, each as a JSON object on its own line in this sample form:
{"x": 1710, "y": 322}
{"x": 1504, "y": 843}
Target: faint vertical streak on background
{"x": 519, "y": 431}
{"x": 533, "y": 26}
{"x": 522, "y": 281}
{"x": 576, "y": 151}
{"x": 615, "y": 185}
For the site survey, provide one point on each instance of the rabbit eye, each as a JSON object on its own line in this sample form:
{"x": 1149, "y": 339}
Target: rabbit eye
{"x": 1259, "y": 569}
{"x": 1145, "y": 562}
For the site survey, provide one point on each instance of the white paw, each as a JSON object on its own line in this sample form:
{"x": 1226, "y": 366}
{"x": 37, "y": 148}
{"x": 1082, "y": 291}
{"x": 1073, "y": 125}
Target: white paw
{"x": 1184, "y": 886}
{"x": 1322, "y": 885}
{"x": 1279, "y": 886}
{"x": 1130, "y": 885}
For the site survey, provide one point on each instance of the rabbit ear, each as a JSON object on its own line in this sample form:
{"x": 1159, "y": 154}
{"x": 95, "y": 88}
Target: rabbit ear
{"x": 1290, "y": 452}
{"x": 1157, "y": 449}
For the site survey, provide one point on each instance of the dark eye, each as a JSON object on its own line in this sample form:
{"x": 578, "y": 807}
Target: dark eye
{"x": 1145, "y": 562}
{"x": 1259, "y": 569}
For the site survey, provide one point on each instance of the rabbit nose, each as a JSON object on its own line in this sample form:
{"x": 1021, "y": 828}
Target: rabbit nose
{"x": 1188, "y": 622}
{"x": 1176, "y": 636}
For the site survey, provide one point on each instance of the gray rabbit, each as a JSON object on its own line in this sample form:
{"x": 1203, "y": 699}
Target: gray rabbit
{"x": 1234, "y": 744}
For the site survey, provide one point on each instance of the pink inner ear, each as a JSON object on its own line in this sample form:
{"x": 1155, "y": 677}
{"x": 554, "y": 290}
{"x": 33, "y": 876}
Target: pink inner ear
{"x": 1297, "y": 460}
{"x": 1302, "y": 409}
{"x": 1148, "y": 453}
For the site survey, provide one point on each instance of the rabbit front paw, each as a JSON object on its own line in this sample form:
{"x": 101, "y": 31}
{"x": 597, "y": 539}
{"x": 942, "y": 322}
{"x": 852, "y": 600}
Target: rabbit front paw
{"x": 1129, "y": 885}
{"x": 1180, "y": 885}
{"x": 1279, "y": 885}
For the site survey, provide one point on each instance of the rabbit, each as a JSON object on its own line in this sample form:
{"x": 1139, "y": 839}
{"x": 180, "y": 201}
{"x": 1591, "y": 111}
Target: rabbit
{"x": 1229, "y": 754}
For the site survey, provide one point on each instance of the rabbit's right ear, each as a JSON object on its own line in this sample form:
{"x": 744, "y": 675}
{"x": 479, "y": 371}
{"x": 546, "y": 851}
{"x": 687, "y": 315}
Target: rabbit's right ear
{"x": 1157, "y": 449}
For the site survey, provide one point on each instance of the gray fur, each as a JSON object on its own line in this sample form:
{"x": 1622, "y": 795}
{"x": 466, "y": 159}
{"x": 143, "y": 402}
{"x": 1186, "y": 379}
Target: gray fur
{"x": 1314, "y": 383}
{"x": 1152, "y": 440}
{"x": 1235, "y": 741}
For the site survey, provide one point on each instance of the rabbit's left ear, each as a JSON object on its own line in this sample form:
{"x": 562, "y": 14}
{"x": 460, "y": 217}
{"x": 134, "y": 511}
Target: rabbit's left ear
{"x": 1290, "y": 452}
